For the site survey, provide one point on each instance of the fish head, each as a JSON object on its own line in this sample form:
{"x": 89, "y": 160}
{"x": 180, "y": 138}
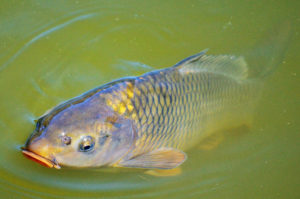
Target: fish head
{"x": 82, "y": 135}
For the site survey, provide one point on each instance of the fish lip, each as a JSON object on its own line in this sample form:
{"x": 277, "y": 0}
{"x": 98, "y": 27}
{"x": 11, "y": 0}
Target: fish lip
{"x": 40, "y": 159}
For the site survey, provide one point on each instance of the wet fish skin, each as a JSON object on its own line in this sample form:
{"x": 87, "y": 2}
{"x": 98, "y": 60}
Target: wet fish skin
{"x": 148, "y": 121}
{"x": 176, "y": 109}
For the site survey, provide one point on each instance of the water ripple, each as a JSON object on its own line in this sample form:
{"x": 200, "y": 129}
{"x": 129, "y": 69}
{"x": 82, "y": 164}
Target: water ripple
{"x": 24, "y": 178}
{"x": 45, "y": 33}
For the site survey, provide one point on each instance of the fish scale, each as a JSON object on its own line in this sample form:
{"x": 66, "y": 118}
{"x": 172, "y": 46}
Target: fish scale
{"x": 178, "y": 102}
{"x": 149, "y": 120}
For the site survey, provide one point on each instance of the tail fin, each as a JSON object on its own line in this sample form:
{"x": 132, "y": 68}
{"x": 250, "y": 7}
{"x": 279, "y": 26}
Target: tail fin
{"x": 270, "y": 51}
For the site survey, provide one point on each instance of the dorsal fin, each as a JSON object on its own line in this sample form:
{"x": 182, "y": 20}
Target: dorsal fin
{"x": 191, "y": 59}
{"x": 232, "y": 66}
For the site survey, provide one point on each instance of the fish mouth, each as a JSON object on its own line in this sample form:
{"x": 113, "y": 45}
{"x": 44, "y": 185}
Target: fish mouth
{"x": 40, "y": 159}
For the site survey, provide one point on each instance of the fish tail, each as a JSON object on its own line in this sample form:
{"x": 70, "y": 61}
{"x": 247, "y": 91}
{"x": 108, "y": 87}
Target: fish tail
{"x": 269, "y": 53}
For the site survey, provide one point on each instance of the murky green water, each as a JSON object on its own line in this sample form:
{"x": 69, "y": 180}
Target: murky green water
{"x": 52, "y": 51}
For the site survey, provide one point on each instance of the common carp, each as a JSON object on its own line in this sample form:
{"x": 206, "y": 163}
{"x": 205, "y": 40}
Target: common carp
{"x": 148, "y": 121}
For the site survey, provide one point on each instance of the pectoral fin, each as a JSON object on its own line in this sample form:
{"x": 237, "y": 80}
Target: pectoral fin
{"x": 211, "y": 142}
{"x": 164, "y": 173}
{"x": 163, "y": 158}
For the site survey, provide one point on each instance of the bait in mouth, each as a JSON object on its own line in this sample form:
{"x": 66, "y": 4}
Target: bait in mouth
{"x": 147, "y": 121}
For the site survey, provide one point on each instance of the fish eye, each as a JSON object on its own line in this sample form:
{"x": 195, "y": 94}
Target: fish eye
{"x": 66, "y": 139}
{"x": 87, "y": 144}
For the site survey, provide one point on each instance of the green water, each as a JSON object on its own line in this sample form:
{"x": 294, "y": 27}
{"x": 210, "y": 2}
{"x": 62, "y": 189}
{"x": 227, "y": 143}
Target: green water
{"x": 51, "y": 51}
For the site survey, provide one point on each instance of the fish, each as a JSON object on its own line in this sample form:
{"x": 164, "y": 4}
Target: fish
{"x": 148, "y": 121}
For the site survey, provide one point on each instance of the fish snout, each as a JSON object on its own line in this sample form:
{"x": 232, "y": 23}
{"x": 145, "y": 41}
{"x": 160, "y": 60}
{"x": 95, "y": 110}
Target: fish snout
{"x": 40, "y": 151}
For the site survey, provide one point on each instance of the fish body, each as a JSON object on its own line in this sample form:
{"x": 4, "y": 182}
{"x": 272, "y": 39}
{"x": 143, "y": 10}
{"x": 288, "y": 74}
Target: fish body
{"x": 150, "y": 120}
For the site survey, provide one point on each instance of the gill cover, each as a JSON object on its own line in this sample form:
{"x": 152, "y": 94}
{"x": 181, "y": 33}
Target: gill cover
{"x": 118, "y": 143}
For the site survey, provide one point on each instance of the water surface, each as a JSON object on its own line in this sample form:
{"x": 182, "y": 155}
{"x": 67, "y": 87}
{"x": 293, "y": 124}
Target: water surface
{"x": 52, "y": 51}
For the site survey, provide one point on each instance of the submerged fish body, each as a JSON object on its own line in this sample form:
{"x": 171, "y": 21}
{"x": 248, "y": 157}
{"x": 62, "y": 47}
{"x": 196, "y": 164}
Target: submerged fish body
{"x": 149, "y": 120}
